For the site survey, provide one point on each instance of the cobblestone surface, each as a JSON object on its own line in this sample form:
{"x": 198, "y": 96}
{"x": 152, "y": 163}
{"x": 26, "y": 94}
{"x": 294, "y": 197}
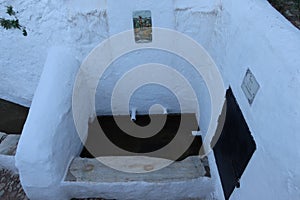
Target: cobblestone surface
{"x": 10, "y": 187}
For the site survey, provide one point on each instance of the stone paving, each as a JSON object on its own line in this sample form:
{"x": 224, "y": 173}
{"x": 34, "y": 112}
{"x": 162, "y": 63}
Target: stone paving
{"x": 10, "y": 187}
{"x": 8, "y": 144}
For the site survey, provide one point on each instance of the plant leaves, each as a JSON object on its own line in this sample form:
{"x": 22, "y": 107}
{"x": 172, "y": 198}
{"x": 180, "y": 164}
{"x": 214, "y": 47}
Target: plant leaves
{"x": 24, "y": 32}
{"x": 10, "y": 11}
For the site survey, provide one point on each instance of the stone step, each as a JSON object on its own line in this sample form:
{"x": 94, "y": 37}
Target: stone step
{"x": 92, "y": 170}
{"x": 8, "y": 144}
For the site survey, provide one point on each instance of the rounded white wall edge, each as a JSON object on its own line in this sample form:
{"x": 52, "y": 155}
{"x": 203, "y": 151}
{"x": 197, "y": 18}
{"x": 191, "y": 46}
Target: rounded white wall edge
{"x": 49, "y": 139}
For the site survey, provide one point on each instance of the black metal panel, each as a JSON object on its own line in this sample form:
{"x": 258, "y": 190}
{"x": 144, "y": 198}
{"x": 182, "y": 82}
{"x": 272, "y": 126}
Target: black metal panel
{"x": 234, "y": 148}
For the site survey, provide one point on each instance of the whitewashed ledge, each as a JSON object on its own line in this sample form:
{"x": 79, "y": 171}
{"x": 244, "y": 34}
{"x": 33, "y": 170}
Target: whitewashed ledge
{"x": 187, "y": 179}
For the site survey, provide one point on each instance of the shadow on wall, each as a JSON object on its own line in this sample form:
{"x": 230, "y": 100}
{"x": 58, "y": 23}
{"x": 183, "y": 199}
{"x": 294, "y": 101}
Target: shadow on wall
{"x": 12, "y": 117}
{"x": 142, "y": 146}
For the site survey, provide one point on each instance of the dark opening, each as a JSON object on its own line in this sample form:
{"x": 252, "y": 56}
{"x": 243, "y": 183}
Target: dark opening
{"x": 146, "y": 145}
{"x": 12, "y": 117}
{"x": 234, "y": 148}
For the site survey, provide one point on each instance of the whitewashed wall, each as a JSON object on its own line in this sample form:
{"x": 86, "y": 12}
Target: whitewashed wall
{"x": 79, "y": 26}
{"x": 251, "y": 34}
{"x": 49, "y": 140}
{"x": 237, "y": 34}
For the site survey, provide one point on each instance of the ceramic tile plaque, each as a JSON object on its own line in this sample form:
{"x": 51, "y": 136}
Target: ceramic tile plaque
{"x": 142, "y": 24}
{"x": 250, "y": 86}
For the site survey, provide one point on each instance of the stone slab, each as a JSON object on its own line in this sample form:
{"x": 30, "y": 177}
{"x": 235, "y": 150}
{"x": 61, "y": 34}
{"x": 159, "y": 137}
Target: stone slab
{"x": 92, "y": 170}
{"x": 9, "y": 145}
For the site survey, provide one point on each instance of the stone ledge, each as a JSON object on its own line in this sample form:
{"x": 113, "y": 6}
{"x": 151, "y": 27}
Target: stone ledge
{"x": 9, "y": 144}
{"x": 92, "y": 170}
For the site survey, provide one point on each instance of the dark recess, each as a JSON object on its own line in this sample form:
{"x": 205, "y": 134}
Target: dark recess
{"x": 146, "y": 145}
{"x": 12, "y": 117}
{"x": 234, "y": 148}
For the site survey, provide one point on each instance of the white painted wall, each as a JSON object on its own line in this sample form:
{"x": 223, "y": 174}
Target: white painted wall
{"x": 46, "y": 151}
{"x": 49, "y": 139}
{"x": 79, "y": 26}
{"x": 237, "y": 34}
{"x": 251, "y": 34}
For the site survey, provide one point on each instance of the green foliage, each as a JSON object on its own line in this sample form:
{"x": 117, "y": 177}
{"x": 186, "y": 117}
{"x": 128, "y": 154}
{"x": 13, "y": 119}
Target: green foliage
{"x": 12, "y": 23}
{"x": 10, "y": 11}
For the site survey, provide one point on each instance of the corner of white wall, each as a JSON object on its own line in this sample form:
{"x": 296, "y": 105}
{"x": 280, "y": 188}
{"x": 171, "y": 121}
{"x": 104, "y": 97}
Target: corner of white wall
{"x": 49, "y": 139}
{"x": 252, "y": 34}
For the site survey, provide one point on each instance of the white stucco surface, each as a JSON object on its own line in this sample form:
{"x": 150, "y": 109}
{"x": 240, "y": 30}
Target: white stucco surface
{"x": 49, "y": 139}
{"x": 237, "y": 34}
{"x": 251, "y": 34}
{"x": 47, "y": 154}
{"x": 48, "y": 24}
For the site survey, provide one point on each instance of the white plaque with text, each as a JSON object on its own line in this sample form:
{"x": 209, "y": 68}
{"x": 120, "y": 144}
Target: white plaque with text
{"x": 250, "y": 86}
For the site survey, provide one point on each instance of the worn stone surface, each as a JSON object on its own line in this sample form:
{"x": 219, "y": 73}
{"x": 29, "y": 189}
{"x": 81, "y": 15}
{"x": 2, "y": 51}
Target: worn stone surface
{"x": 9, "y": 145}
{"x": 2, "y": 137}
{"x": 91, "y": 170}
{"x": 10, "y": 187}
